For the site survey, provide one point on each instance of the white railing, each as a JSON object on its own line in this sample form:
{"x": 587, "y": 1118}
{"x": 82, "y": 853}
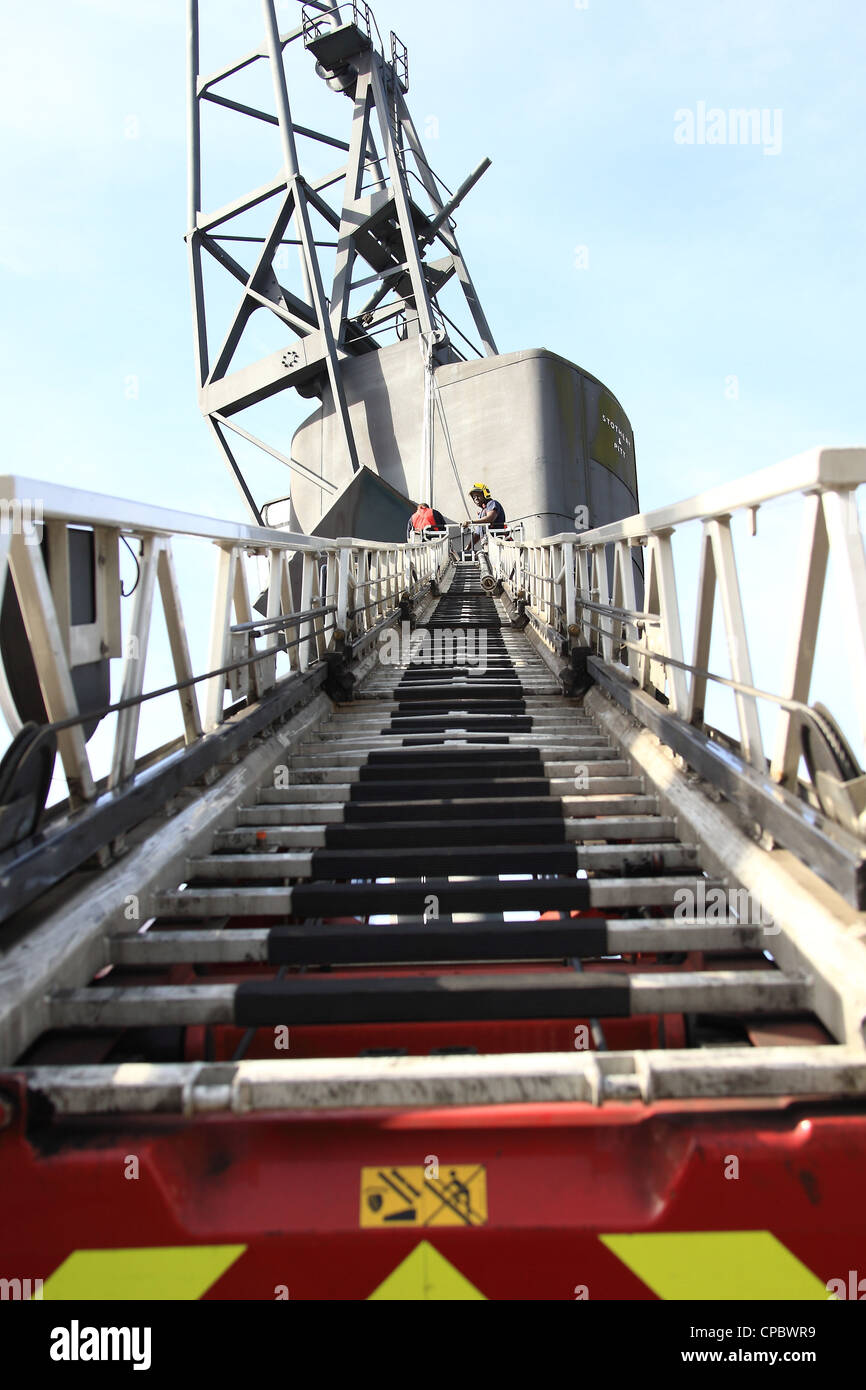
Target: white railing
{"x": 316, "y": 594}
{"x": 319, "y": 20}
{"x": 459, "y": 536}
{"x": 373, "y": 577}
{"x": 583, "y": 589}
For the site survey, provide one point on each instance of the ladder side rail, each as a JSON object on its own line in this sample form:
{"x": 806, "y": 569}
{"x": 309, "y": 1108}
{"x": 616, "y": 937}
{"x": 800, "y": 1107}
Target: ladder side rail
{"x": 306, "y": 630}
{"x": 220, "y": 634}
{"x": 846, "y": 548}
{"x": 320, "y": 625}
{"x": 179, "y": 642}
{"x": 7, "y": 704}
{"x": 584, "y": 615}
{"x": 58, "y": 645}
{"x": 704, "y": 611}
{"x": 628, "y": 599}
{"x": 344, "y": 583}
{"x": 274, "y": 602}
{"x": 601, "y": 592}
{"x": 569, "y": 591}
{"x": 600, "y": 606}
{"x": 810, "y": 570}
{"x": 332, "y": 593}
{"x": 738, "y": 647}
{"x": 36, "y": 600}
{"x": 824, "y": 470}
{"x": 670, "y": 627}
{"x": 250, "y": 676}
{"x": 128, "y": 720}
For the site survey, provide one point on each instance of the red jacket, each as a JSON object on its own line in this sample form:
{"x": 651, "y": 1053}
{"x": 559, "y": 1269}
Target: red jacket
{"x": 422, "y": 518}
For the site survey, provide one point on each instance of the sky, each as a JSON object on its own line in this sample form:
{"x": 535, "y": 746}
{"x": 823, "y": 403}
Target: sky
{"x": 716, "y": 288}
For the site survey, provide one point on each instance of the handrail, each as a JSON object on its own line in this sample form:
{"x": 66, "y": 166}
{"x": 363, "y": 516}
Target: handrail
{"x": 821, "y": 469}
{"x": 582, "y": 588}
{"x": 362, "y": 17}
{"x": 331, "y": 592}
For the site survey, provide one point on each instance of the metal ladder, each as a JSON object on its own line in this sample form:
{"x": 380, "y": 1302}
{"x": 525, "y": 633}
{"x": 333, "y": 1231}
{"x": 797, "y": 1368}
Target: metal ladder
{"x": 458, "y": 861}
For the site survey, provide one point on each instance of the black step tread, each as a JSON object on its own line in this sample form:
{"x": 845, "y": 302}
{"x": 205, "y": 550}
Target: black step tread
{"x": 416, "y": 941}
{"x": 478, "y": 895}
{"x": 439, "y": 834}
{"x": 526, "y": 809}
{"x": 434, "y": 789}
{"x": 427, "y": 999}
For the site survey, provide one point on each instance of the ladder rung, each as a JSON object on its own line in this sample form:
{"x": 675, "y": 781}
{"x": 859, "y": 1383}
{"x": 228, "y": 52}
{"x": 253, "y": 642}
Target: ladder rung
{"x": 457, "y": 790}
{"x": 325, "y": 999}
{"x": 488, "y": 938}
{"x": 368, "y": 835}
{"x": 549, "y": 855}
{"x": 410, "y": 896}
{"x": 392, "y": 1083}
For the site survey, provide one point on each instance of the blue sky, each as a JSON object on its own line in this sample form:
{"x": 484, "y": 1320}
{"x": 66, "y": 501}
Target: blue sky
{"x": 706, "y": 263}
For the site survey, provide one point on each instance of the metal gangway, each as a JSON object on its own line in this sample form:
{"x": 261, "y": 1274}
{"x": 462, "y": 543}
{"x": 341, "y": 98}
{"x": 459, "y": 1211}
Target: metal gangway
{"x": 433, "y": 837}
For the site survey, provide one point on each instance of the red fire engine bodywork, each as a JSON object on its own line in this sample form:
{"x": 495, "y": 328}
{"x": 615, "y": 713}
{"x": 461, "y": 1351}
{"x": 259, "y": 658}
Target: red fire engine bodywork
{"x": 286, "y": 1188}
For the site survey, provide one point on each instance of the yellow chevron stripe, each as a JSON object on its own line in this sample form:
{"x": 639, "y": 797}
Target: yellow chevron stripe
{"x": 716, "y": 1265}
{"x": 160, "y": 1272}
{"x": 425, "y": 1274}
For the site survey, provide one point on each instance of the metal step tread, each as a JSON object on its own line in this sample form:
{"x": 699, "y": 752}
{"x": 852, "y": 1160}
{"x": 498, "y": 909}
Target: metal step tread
{"x": 325, "y": 999}
{"x": 525, "y": 856}
{"x": 417, "y": 941}
{"x": 411, "y": 895}
{"x": 446, "y": 831}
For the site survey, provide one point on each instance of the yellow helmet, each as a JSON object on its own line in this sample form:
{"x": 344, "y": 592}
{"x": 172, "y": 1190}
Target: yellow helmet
{"x": 482, "y": 488}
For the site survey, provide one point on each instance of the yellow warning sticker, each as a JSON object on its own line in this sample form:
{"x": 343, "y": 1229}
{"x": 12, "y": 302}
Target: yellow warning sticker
{"x": 424, "y": 1196}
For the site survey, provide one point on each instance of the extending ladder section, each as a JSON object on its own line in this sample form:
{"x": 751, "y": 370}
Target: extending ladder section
{"x": 458, "y": 863}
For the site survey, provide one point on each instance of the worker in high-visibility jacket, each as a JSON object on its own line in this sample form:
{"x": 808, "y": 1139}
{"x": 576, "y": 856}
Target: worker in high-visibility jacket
{"x": 424, "y": 520}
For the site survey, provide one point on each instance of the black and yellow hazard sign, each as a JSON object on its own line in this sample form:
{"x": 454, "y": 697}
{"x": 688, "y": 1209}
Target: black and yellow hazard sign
{"x": 424, "y": 1196}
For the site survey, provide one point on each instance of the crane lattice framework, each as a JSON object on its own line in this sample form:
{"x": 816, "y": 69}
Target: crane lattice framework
{"x": 379, "y": 222}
